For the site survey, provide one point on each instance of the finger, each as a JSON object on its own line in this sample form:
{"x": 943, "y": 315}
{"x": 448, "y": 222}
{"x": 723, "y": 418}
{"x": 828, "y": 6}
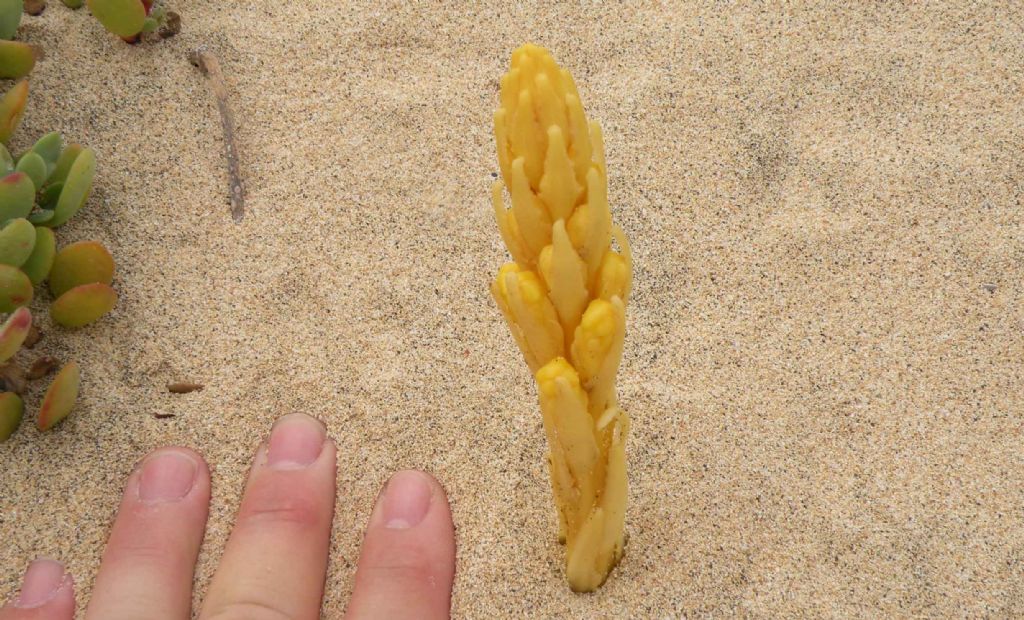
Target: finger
{"x": 408, "y": 558}
{"x": 147, "y": 568}
{"x": 47, "y": 593}
{"x": 275, "y": 561}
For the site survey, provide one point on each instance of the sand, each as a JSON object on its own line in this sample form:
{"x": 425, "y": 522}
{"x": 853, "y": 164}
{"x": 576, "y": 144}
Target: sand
{"x": 825, "y": 357}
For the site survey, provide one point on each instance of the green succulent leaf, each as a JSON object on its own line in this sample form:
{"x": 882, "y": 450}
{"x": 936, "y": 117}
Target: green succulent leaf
{"x": 13, "y": 333}
{"x": 49, "y": 147}
{"x": 125, "y": 18}
{"x": 12, "y": 107}
{"x": 83, "y": 305}
{"x": 84, "y": 262}
{"x": 15, "y": 288}
{"x": 60, "y": 397}
{"x": 64, "y": 162}
{"x": 16, "y": 59}
{"x": 76, "y": 188}
{"x": 17, "y": 193}
{"x": 6, "y": 161}
{"x": 32, "y": 164}
{"x": 48, "y": 197}
{"x": 73, "y": 4}
{"x": 16, "y": 242}
{"x": 40, "y": 217}
{"x": 10, "y": 17}
{"x": 11, "y": 410}
{"x": 39, "y": 263}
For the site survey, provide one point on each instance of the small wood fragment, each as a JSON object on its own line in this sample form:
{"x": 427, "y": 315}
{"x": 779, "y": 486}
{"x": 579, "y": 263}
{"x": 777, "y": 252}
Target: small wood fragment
{"x": 171, "y": 27}
{"x": 210, "y": 67}
{"x": 12, "y": 379}
{"x": 35, "y": 7}
{"x": 33, "y": 338}
{"x": 184, "y": 387}
{"x": 164, "y": 416}
{"x": 42, "y": 367}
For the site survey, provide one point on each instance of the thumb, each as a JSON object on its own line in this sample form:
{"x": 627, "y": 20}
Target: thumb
{"x": 47, "y": 593}
{"x": 408, "y": 558}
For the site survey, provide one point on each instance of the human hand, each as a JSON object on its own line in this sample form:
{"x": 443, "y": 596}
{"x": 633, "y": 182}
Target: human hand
{"x": 275, "y": 561}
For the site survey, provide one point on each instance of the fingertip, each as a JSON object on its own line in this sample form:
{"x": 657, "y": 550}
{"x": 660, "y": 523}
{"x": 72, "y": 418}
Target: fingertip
{"x": 47, "y": 591}
{"x": 407, "y": 564}
{"x": 170, "y": 473}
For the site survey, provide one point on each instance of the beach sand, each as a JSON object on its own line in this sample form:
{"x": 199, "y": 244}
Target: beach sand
{"x": 825, "y": 355}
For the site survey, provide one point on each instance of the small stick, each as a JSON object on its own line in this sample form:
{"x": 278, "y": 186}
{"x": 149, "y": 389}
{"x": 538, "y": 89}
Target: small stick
{"x": 184, "y": 387}
{"x": 210, "y": 67}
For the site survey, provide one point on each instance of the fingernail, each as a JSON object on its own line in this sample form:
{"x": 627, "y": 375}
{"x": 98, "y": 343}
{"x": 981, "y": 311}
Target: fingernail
{"x": 295, "y": 442}
{"x": 167, "y": 476}
{"x": 406, "y": 499}
{"x": 43, "y": 579}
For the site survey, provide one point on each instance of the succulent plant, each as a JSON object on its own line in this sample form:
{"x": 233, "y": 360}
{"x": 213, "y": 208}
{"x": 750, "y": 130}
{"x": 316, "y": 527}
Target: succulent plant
{"x": 12, "y": 107}
{"x": 60, "y": 397}
{"x": 83, "y": 305}
{"x": 39, "y": 190}
{"x": 11, "y": 410}
{"x": 15, "y": 288}
{"x": 33, "y": 164}
{"x": 76, "y": 188}
{"x": 17, "y": 194}
{"x": 17, "y": 239}
{"x": 39, "y": 263}
{"x": 124, "y": 18}
{"x": 129, "y": 19}
{"x": 16, "y": 59}
{"x": 13, "y": 333}
{"x": 10, "y": 17}
{"x": 49, "y": 148}
{"x": 73, "y": 4}
{"x": 85, "y": 262}
{"x": 64, "y": 162}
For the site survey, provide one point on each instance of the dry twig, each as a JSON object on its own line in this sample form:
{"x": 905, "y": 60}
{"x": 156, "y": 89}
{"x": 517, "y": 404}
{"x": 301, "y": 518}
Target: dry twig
{"x": 184, "y": 387}
{"x": 210, "y": 67}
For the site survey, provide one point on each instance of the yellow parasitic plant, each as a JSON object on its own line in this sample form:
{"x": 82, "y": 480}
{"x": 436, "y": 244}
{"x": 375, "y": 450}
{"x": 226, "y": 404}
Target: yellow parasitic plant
{"x": 564, "y": 299}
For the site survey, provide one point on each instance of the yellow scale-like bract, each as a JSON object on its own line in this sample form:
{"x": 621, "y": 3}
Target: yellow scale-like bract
{"x": 564, "y": 299}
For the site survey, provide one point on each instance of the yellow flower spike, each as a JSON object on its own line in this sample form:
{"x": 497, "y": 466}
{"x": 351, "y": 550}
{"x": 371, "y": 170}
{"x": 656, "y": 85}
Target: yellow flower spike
{"x": 561, "y": 487}
{"x": 564, "y": 401}
{"x": 614, "y": 279}
{"x": 509, "y": 91}
{"x": 544, "y": 267}
{"x": 593, "y": 339}
{"x": 582, "y": 563}
{"x": 579, "y": 136}
{"x": 627, "y": 255}
{"x": 566, "y": 279}
{"x": 533, "y": 220}
{"x": 597, "y": 144}
{"x": 533, "y": 313}
{"x": 597, "y": 351}
{"x": 508, "y": 227}
{"x": 568, "y": 84}
{"x": 613, "y": 499}
{"x": 564, "y": 300}
{"x": 578, "y": 226}
{"x": 550, "y": 106}
{"x": 501, "y": 139}
{"x": 558, "y": 187}
{"x": 500, "y": 294}
{"x": 526, "y": 138}
{"x": 598, "y": 233}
